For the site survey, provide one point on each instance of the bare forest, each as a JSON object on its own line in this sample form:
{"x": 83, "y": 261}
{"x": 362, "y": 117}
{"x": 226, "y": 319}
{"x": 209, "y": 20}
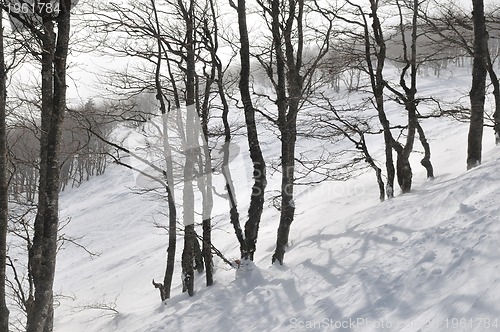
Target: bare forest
{"x": 298, "y": 92}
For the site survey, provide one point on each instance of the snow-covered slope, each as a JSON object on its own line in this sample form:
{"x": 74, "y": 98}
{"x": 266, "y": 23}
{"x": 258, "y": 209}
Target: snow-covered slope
{"x": 425, "y": 261}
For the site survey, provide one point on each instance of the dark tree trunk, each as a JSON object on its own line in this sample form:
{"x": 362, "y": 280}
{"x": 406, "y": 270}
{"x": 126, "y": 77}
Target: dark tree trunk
{"x": 205, "y": 162}
{"x": 404, "y": 173}
{"x": 426, "y": 160}
{"x": 388, "y": 146}
{"x": 226, "y": 172}
{"x": 281, "y": 102}
{"x": 234, "y": 215}
{"x": 287, "y": 187}
{"x": 172, "y": 209}
{"x": 198, "y": 256}
{"x": 191, "y": 114}
{"x": 4, "y": 311}
{"x": 172, "y": 240}
{"x": 205, "y": 186}
{"x": 378, "y": 172}
{"x": 207, "y": 251}
{"x": 408, "y": 97}
{"x": 167, "y": 151}
{"x": 377, "y": 83}
{"x": 259, "y": 166}
{"x": 42, "y": 255}
{"x": 477, "y": 92}
{"x": 187, "y": 260}
{"x": 380, "y": 182}
{"x": 288, "y": 67}
{"x": 188, "y": 254}
{"x": 403, "y": 166}
{"x": 38, "y": 308}
{"x": 496, "y": 95}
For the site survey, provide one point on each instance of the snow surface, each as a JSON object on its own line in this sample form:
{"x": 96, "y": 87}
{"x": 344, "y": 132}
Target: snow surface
{"x": 424, "y": 261}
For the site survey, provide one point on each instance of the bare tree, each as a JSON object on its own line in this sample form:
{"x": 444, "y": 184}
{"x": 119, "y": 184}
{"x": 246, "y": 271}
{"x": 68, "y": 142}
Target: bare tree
{"x": 172, "y": 210}
{"x": 446, "y": 24}
{"x": 374, "y": 55}
{"x": 409, "y": 99}
{"x": 183, "y": 46}
{"x": 51, "y": 29}
{"x": 291, "y": 75}
{"x": 248, "y": 238}
{"x": 43, "y": 252}
{"x": 404, "y": 92}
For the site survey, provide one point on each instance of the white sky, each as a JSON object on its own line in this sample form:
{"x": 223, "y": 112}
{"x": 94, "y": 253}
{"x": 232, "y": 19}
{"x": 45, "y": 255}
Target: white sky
{"x": 84, "y": 69}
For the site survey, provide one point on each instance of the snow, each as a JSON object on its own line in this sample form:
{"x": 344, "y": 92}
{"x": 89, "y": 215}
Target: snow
{"x": 424, "y": 261}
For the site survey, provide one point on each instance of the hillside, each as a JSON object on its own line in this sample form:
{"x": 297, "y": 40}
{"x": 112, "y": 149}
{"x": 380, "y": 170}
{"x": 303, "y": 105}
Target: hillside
{"x": 424, "y": 261}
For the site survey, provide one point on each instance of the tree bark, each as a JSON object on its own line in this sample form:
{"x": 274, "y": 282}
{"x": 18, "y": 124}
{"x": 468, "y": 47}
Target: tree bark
{"x": 403, "y": 167}
{"x": 4, "y": 311}
{"x": 205, "y": 186}
{"x": 377, "y": 83}
{"x": 259, "y": 167}
{"x": 42, "y": 255}
{"x": 287, "y": 196}
{"x": 167, "y": 152}
{"x": 189, "y": 149}
{"x": 378, "y": 172}
{"x": 226, "y": 172}
{"x": 496, "y": 95}
{"x": 426, "y": 160}
{"x": 288, "y": 67}
{"x": 477, "y": 92}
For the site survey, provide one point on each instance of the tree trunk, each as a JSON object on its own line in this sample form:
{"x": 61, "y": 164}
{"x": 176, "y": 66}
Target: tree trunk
{"x": 198, "y": 255}
{"x": 287, "y": 187}
{"x": 378, "y": 172}
{"x": 172, "y": 209}
{"x": 205, "y": 159}
{"x": 207, "y": 251}
{"x": 404, "y": 173}
{"x": 288, "y": 67}
{"x": 189, "y": 150}
{"x": 403, "y": 166}
{"x": 4, "y": 195}
{"x": 167, "y": 153}
{"x": 477, "y": 92}
{"x": 42, "y": 255}
{"x": 205, "y": 186}
{"x": 496, "y": 95}
{"x": 426, "y": 160}
{"x": 188, "y": 255}
{"x": 188, "y": 259}
{"x": 234, "y": 216}
{"x": 377, "y": 82}
{"x": 172, "y": 241}
{"x": 259, "y": 167}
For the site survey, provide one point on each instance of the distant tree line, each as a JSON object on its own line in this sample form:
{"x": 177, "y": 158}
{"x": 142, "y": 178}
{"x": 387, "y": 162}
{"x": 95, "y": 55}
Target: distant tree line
{"x": 82, "y": 155}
